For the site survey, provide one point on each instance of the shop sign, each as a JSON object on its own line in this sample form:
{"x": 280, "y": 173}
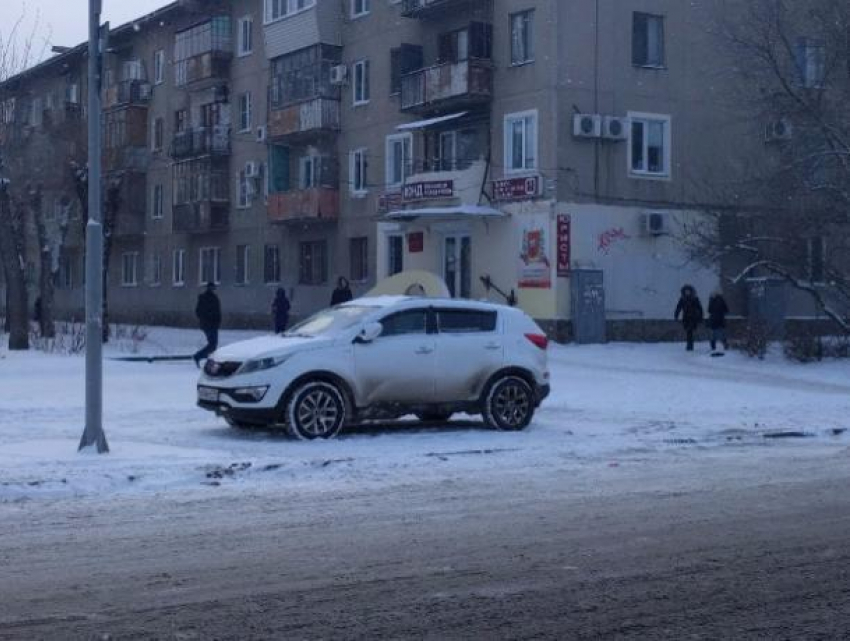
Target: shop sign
{"x": 516, "y": 188}
{"x": 416, "y": 242}
{"x": 389, "y": 202}
{"x": 428, "y": 190}
{"x": 564, "y": 257}
{"x": 534, "y": 265}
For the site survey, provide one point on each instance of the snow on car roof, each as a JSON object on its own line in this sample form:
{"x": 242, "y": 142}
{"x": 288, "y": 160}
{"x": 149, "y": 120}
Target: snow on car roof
{"x": 391, "y": 301}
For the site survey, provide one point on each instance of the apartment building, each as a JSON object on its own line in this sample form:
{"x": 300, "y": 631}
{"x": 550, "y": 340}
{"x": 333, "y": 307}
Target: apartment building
{"x": 538, "y": 151}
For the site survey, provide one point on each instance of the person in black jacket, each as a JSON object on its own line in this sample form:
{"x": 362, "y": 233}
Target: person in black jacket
{"x": 690, "y": 309}
{"x": 342, "y": 293}
{"x": 717, "y": 311}
{"x": 208, "y": 311}
{"x": 280, "y": 311}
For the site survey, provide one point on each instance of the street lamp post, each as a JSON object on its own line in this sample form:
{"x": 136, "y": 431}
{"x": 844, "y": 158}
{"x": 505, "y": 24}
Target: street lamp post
{"x": 93, "y": 435}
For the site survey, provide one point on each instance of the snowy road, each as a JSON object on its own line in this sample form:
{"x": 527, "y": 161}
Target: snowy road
{"x": 687, "y": 545}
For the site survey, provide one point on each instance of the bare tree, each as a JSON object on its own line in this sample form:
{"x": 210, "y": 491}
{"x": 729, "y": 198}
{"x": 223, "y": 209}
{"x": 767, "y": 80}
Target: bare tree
{"x": 788, "y": 215}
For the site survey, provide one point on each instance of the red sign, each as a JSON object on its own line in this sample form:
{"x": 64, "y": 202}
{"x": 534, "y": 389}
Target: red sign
{"x": 428, "y": 190}
{"x": 564, "y": 257}
{"x": 516, "y": 188}
{"x": 416, "y": 242}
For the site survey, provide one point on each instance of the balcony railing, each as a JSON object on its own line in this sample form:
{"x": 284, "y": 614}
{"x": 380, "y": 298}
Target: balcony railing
{"x": 201, "y": 217}
{"x": 128, "y": 92}
{"x": 126, "y": 159}
{"x": 467, "y": 82}
{"x": 304, "y": 119}
{"x": 213, "y": 65}
{"x": 427, "y": 8}
{"x": 201, "y": 141}
{"x": 318, "y": 204}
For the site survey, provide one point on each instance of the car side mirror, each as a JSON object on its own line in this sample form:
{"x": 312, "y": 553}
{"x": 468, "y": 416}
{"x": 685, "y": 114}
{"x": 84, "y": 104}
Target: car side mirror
{"x": 369, "y": 333}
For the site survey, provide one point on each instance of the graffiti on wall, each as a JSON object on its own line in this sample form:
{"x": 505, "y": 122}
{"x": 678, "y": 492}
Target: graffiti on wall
{"x": 610, "y": 237}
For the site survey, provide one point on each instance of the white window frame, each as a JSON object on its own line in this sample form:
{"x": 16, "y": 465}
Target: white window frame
{"x": 159, "y": 66}
{"x": 158, "y": 201}
{"x": 276, "y": 10}
{"x": 666, "y": 173}
{"x": 361, "y": 82}
{"x": 215, "y": 252}
{"x": 360, "y": 8}
{"x": 529, "y": 53}
{"x": 278, "y": 262}
{"x": 246, "y": 112}
{"x": 245, "y": 36}
{"x": 309, "y": 169}
{"x": 392, "y": 139}
{"x": 390, "y": 236}
{"x": 178, "y": 268}
{"x": 130, "y": 277}
{"x": 531, "y": 129}
{"x": 156, "y": 270}
{"x": 358, "y": 165}
{"x": 244, "y": 191}
{"x": 243, "y": 259}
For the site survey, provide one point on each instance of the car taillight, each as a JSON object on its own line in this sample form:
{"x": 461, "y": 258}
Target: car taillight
{"x": 539, "y": 340}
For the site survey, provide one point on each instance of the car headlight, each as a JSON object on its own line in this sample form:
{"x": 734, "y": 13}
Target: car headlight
{"x": 260, "y": 364}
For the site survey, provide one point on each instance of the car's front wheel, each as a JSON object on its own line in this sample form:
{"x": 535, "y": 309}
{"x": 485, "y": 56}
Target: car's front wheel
{"x": 317, "y": 409}
{"x": 509, "y": 404}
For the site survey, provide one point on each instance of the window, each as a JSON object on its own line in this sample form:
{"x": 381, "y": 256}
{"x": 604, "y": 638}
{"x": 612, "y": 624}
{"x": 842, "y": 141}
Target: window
{"x": 649, "y": 145}
{"x": 309, "y": 171}
{"x": 210, "y": 266}
{"x": 157, "y": 201}
{"x": 271, "y": 264}
{"x": 522, "y": 37}
{"x": 399, "y": 159}
{"x": 243, "y": 190}
{"x": 156, "y": 270}
{"x": 359, "y": 172}
{"x": 414, "y": 321}
{"x": 159, "y": 67}
{"x": 245, "y": 44}
{"x": 647, "y": 40}
{"x": 304, "y": 75}
{"x": 358, "y": 251}
{"x": 178, "y": 268}
{"x": 465, "y": 321}
{"x": 278, "y": 169}
{"x": 811, "y": 62}
{"x": 181, "y": 120}
{"x": 403, "y": 60}
{"x": 817, "y": 260}
{"x": 313, "y": 266}
{"x": 158, "y": 134}
{"x": 395, "y": 254}
{"x": 359, "y": 8}
{"x": 521, "y": 142}
{"x": 129, "y": 269}
{"x": 447, "y": 151}
{"x": 66, "y": 273}
{"x": 279, "y": 9}
{"x": 242, "y": 264}
{"x": 245, "y": 111}
{"x": 361, "y": 82}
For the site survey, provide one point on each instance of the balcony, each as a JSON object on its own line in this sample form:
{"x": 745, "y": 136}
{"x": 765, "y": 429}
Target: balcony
{"x": 127, "y": 93}
{"x": 212, "y": 67}
{"x": 448, "y": 86}
{"x": 431, "y": 8}
{"x": 304, "y": 120}
{"x": 126, "y": 159}
{"x": 132, "y": 203}
{"x": 302, "y": 205}
{"x": 201, "y": 141}
{"x": 201, "y": 217}
{"x": 203, "y": 53}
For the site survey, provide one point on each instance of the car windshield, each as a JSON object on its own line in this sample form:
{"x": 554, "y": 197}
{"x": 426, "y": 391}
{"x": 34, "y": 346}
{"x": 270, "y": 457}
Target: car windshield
{"x": 331, "y": 321}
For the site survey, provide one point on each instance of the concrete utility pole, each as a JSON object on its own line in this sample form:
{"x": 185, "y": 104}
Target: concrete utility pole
{"x": 93, "y": 434}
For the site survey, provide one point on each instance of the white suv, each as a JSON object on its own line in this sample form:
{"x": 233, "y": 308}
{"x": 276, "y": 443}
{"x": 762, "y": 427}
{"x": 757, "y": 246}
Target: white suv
{"x": 383, "y": 358}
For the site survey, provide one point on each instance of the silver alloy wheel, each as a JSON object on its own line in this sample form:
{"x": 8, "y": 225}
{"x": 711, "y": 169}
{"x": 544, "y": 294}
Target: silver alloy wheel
{"x": 318, "y": 413}
{"x": 512, "y": 404}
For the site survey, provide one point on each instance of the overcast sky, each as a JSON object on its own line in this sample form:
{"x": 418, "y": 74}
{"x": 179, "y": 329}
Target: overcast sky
{"x": 65, "y": 22}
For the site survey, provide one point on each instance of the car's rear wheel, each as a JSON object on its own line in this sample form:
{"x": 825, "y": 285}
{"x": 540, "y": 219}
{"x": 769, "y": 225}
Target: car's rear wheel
{"x": 317, "y": 409}
{"x": 434, "y": 416}
{"x": 509, "y": 404}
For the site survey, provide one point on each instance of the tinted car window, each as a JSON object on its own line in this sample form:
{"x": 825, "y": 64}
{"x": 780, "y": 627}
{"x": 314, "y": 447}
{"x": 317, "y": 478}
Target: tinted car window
{"x": 465, "y": 321}
{"x": 410, "y": 322}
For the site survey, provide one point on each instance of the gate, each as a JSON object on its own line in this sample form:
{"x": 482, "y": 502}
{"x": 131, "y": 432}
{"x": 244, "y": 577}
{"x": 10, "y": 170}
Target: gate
{"x": 587, "y": 297}
{"x": 768, "y": 303}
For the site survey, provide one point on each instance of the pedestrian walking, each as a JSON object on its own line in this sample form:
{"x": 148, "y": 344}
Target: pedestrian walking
{"x": 717, "y": 311}
{"x": 342, "y": 293}
{"x": 690, "y": 309}
{"x": 38, "y": 316}
{"x": 208, "y": 311}
{"x": 280, "y": 311}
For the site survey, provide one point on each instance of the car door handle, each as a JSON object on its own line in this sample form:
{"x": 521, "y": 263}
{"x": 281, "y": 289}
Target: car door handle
{"x": 422, "y": 351}
{"x": 493, "y": 346}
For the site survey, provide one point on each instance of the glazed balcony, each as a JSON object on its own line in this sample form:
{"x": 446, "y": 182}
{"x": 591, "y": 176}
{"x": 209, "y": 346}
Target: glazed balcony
{"x": 203, "y": 53}
{"x": 201, "y": 141}
{"x": 128, "y": 93}
{"x": 201, "y": 217}
{"x": 303, "y": 205}
{"x": 448, "y": 86}
{"x": 432, "y": 8}
{"x": 304, "y": 120}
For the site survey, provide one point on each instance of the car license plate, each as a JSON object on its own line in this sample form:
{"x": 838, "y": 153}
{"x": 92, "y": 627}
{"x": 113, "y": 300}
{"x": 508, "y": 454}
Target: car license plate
{"x": 208, "y": 394}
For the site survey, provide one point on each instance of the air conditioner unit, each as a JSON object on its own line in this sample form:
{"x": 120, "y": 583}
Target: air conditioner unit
{"x": 587, "y": 125}
{"x": 654, "y": 224}
{"x": 615, "y": 128}
{"x": 252, "y": 169}
{"x": 339, "y": 74}
{"x": 261, "y": 134}
{"x": 777, "y": 130}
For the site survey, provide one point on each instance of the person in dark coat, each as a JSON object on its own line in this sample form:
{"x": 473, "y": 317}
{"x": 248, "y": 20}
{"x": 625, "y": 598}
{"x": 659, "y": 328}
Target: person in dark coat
{"x": 38, "y": 316}
{"x": 208, "y": 311}
{"x": 690, "y": 309}
{"x": 280, "y": 311}
{"x": 717, "y": 311}
{"x": 342, "y": 293}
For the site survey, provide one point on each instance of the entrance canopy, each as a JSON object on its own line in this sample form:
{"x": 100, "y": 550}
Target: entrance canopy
{"x": 446, "y": 213}
{"x": 424, "y": 124}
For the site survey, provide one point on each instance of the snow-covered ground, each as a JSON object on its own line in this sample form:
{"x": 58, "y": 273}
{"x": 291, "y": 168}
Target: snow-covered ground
{"x": 611, "y": 405}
